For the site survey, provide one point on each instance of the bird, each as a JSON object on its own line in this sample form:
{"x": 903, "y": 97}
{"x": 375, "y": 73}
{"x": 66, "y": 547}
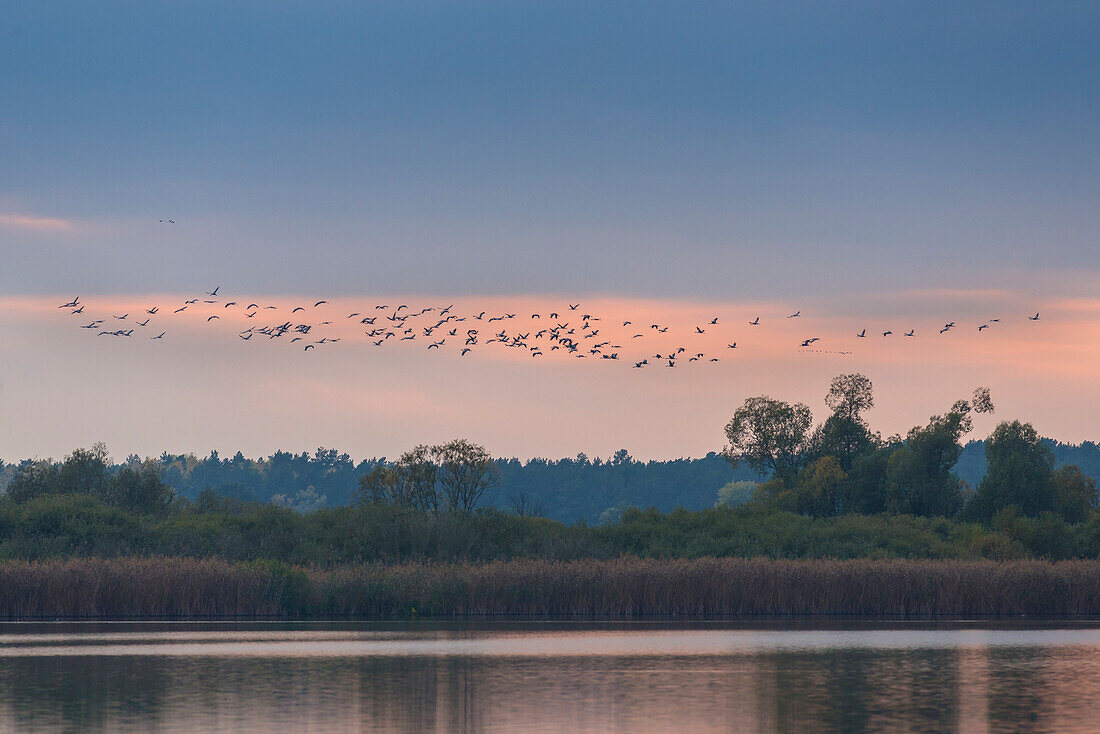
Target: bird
{"x": 1033, "y": 318}
{"x": 699, "y": 330}
{"x": 319, "y": 303}
{"x": 296, "y": 310}
{"x": 123, "y": 316}
{"x": 159, "y": 336}
{"x": 464, "y": 352}
{"x": 231, "y": 303}
{"x": 755, "y": 322}
{"x": 181, "y": 308}
{"x": 911, "y": 332}
{"x": 308, "y": 347}
{"x": 862, "y": 334}
{"x": 143, "y": 323}
{"x": 71, "y": 304}
{"x": 152, "y": 311}
{"x": 795, "y": 315}
{"x": 732, "y": 346}
{"x": 574, "y": 308}
{"x": 215, "y": 316}
{"x": 983, "y": 326}
{"x": 213, "y": 292}
{"x": 887, "y": 333}
{"x": 714, "y": 321}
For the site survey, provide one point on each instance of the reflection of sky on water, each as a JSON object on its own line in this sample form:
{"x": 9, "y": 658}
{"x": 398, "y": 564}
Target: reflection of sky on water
{"x": 539, "y": 678}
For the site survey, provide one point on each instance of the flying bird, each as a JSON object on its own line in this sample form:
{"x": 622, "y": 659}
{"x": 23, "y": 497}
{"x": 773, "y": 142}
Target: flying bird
{"x": 795, "y": 315}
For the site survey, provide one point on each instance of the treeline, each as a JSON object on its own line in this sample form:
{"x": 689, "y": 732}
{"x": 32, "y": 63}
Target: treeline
{"x": 568, "y": 489}
{"x": 841, "y": 467}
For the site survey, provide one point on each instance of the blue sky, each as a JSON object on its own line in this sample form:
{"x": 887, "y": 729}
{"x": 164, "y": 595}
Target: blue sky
{"x": 639, "y": 148}
{"x": 879, "y": 165}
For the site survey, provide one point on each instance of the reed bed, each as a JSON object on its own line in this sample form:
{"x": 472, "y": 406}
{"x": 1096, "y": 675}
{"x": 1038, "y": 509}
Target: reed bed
{"x": 160, "y": 588}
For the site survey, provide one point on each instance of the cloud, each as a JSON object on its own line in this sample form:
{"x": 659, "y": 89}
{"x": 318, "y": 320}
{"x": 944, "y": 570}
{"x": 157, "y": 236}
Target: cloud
{"x": 36, "y": 224}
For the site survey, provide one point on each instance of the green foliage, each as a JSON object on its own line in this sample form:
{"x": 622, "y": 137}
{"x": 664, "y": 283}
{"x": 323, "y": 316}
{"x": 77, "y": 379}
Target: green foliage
{"x": 1073, "y": 493}
{"x": 1020, "y": 470}
{"x": 822, "y": 489}
{"x": 736, "y": 493}
{"x": 451, "y": 476}
{"x": 770, "y": 435}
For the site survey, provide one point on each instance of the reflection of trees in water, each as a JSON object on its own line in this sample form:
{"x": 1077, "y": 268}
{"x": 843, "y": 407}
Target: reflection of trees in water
{"x": 861, "y": 690}
{"x": 77, "y": 692}
{"x": 903, "y": 690}
{"x": 1019, "y": 692}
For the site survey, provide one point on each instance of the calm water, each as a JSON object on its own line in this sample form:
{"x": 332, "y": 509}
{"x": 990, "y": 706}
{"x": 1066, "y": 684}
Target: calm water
{"x": 531, "y": 677}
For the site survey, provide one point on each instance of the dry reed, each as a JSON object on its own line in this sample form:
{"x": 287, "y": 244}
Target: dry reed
{"x": 627, "y": 587}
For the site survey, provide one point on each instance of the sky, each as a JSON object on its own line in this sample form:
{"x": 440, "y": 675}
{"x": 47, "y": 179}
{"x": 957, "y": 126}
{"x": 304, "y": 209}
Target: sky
{"x": 876, "y": 165}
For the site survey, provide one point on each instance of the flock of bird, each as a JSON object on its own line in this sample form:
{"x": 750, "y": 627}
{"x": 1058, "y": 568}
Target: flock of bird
{"x": 571, "y": 331}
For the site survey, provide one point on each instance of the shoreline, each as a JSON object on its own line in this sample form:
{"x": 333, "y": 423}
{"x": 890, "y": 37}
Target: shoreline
{"x": 625, "y": 589}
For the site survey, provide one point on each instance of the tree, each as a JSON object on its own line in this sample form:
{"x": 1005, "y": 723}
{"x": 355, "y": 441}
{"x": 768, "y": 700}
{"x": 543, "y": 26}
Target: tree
{"x": 138, "y": 488}
{"x": 84, "y": 471}
{"x": 821, "y": 488}
{"x": 33, "y": 478}
{"x": 454, "y": 475}
{"x": 919, "y": 474}
{"x": 736, "y": 493}
{"x": 845, "y": 433}
{"x": 1020, "y": 467}
{"x": 768, "y": 434}
{"x": 850, "y": 395}
{"x": 409, "y": 482}
{"x": 1074, "y": 494}
{"x": 416, "y": 474}
{"x": 465, "y": 471}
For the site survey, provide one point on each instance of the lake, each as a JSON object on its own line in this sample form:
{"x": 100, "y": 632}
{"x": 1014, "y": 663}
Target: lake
{"x": 762, "y": 676}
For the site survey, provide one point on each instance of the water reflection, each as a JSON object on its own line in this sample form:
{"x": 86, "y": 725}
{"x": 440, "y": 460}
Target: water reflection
{"x": 516, "y": 677}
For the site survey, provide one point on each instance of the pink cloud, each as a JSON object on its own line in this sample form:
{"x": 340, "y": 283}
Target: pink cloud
{"x": 36, "y": 224}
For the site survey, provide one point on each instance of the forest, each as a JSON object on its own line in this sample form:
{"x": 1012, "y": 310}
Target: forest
{"x": 781, "y": 488}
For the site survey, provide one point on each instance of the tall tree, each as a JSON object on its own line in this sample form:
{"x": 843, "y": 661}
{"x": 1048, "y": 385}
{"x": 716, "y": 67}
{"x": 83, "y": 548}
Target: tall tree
{"x": 465, "y": 471}
{"x": 1020, "y": 467}
{"x": 919, "y": 477}
{"x": 768, "y": 435}
{"x": 845, "y": 433}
